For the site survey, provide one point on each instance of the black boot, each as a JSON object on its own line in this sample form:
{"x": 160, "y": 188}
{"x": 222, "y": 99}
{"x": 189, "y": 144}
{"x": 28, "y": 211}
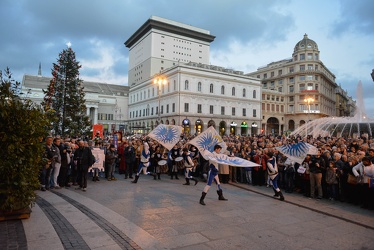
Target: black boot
{"x": 136, "y": 179}
{"x": 203, "y": 194}
{"x": 187, "y": 182}
{"x": 154, "y": 176}
{"x": 276, "y": 194}
{"x": 281, "y": 196}
{"x": 158, "y": 176}
{"x": 220, "y": 195}
{"x": 195, "y": 180}
{"x": 176, "y": 176}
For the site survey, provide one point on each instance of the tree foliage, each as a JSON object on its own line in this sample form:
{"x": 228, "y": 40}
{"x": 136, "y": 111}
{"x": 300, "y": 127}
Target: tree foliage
{"x": 64, "y": 97}
{"x": 22, "y": 127}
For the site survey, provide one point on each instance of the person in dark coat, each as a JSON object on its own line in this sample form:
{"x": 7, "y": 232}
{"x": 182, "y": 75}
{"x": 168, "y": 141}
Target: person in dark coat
{"x": 84, "y": 160}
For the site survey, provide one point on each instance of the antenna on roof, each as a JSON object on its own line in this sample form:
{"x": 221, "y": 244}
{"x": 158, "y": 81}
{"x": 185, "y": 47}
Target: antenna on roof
{"x": 40, "y": 69}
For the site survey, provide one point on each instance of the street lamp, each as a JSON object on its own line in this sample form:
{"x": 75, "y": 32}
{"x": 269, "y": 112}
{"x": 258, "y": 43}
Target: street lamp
{"x": 308, "y": 100}
{"x": 159, "y": 81}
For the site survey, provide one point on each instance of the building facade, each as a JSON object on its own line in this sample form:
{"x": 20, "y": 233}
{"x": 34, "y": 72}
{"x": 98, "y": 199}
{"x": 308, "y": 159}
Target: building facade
{"x": 106, "y": 103}
{"x": 302, "y": 86}
{"x": 196, "y": 95}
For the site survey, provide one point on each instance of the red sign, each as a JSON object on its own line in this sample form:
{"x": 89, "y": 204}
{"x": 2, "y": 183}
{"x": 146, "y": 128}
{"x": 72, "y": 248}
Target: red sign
{"x": 97, "y": 129}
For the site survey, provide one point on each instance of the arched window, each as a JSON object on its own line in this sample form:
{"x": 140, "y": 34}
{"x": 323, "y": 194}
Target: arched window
{"x": 199, "y": 86}
{"x": 244, "y": 94}
{"x": 254, "y": 94}
{"x": 186, "y": 85}
{"x": 233, "y": 91}
{"x": 222, "y": 90}
{"x": 211, "y": 88}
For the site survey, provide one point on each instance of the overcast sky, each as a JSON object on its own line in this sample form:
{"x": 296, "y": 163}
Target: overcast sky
{"x": 249, "y": 34}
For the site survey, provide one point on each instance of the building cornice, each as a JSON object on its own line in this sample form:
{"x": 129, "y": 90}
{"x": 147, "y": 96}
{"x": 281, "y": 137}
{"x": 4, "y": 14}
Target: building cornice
{"x": 167, "y": 27}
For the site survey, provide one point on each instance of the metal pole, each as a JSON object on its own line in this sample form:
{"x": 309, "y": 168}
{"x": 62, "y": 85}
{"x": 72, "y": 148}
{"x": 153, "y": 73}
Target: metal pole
{"x": 159, "y": 103}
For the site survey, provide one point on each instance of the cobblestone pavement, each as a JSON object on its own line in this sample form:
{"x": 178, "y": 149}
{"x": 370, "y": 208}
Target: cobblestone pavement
{"x": 164, "y": 214}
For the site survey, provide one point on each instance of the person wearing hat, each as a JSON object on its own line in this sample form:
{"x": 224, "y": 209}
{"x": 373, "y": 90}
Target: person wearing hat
{"x": 213, "y": 175}
{"x": 188, "y": 163}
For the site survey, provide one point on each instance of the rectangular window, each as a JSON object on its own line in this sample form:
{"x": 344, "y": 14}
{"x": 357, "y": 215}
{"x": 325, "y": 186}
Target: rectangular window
{"x": 173, "y": 108}
{"x": 291, "y": 69}
{"x": 254, "y": 113}
{"x": 291, "y": 98}
{"x": 167, "y": 108}
{"x": 290, "y": 108}
{"x": 302, "y": 67}
{"x": 310, "y": 66}
{"x": 282, "y": 108}
{"x": 272, "y": 74}
{"x": 244, "y": 112}
{"x": 152, "y": 111}
{"x": 302, "y": 78}
{"x": 292, "y": 79}
{"x": 233, "y": 111}
{"x": 280, "y": 72}
{"x": 310, "y": 56}
{"x": 162, "y": 109}
{"x": 211, "y": 110}
{"x": 186, "y": 107}
{"x": 280, "y": 81}
{"x": 198, "y": 108}
{"x": 309, "y": 77}
{"x": 265, "y": 76}
{"x": 302, "y": 87}
{"x": 222, "y": 110}
{"x": 302, "y": 57}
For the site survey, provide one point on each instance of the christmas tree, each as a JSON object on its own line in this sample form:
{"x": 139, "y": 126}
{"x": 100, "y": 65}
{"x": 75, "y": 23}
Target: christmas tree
{"x": 65, "y": 97}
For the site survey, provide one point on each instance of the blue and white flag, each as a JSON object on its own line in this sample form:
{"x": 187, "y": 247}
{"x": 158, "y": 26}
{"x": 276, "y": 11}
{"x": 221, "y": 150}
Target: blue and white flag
{"x": 167, "y": 135}
{"x": 227, "y": 160}
{"x": 207, "y": 140}
{"x": 297, "y": 152}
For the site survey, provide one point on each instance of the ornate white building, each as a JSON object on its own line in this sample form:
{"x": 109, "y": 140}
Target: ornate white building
{"x": 288, "y": 85}
{"x": 197, "y": 95}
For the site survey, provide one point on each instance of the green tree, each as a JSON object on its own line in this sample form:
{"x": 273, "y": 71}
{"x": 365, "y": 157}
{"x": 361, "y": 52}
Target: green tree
{"x": 23, "y": 126}
{"x": 64, "y": 97}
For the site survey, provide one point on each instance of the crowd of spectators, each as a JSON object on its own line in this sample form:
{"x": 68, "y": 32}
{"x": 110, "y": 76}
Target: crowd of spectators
{"x": 326, "y": 175}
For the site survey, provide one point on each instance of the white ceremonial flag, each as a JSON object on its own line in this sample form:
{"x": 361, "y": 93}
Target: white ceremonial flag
{"x": 207, "y": 140}
{"x": 297, "y": 152}
{"x": 167, "y": 135}
{"x": 231, "y": 161}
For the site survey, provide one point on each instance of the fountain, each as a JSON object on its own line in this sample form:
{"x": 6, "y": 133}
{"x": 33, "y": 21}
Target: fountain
{"x": 348, "y": 127}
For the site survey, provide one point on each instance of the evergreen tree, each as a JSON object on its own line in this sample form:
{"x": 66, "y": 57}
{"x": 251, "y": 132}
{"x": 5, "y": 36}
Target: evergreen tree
{"x": 65, "y": 97}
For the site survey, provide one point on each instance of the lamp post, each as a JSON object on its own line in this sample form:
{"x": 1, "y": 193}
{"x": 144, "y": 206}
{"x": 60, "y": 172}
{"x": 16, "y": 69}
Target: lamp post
{"x": 308, "y": 100}
{"x": 159, "y": 81}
